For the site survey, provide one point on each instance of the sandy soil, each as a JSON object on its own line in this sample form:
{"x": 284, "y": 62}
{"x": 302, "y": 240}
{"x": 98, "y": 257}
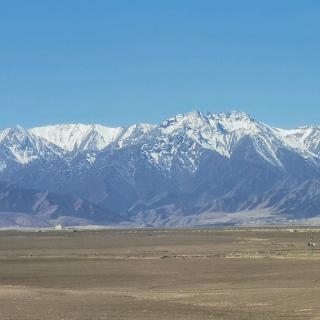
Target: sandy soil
{"x": 159, "y": 274}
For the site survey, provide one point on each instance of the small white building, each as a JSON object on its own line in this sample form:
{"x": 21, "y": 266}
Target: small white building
{"x": 58, "y": 227}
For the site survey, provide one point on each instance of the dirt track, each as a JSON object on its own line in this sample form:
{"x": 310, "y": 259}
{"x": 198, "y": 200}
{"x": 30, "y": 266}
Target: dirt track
{"x": 158, "y": 274}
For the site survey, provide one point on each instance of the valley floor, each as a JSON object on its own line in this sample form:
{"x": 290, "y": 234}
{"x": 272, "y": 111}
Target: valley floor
{"x": 159, "y": 274}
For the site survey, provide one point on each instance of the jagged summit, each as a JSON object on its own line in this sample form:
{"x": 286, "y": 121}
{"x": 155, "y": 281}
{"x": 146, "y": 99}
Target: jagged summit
{"x": 219, "y": 132}
{"x": 71, "y": 137}
{"x": 194, "y": 168}
{"x": 305, "y": 139}
{"x": 232, "y": 121}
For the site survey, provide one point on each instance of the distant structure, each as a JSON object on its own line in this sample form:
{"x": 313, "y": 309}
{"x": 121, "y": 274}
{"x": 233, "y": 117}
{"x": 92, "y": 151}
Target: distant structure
{"x": 293, "y": 229}
{"x": 311, "y": 243}
{"x": 58, "y": 227}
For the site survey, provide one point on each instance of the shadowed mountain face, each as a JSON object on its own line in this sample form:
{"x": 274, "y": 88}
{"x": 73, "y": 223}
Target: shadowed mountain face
{"x": 193, "y": 169}
{"x": 28, "y": 207}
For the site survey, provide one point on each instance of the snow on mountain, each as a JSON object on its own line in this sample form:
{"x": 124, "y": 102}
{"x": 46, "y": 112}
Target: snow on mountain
{"x": 71, "y": 137}
{"x": 185, "y": 136}
{"x": 215, "y": 132}
{"x": 133, "y": 134}
{"x": 305, "y": 139}
{"x": 182, "y": 138}
{"x": 190, "y": 165}
{"x": 22, "y": 146}
{"x": 3, "y": 134}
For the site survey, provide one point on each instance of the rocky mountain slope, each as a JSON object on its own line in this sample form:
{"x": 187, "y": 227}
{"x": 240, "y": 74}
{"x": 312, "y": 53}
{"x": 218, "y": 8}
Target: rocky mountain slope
{"x": 192, "y": 169}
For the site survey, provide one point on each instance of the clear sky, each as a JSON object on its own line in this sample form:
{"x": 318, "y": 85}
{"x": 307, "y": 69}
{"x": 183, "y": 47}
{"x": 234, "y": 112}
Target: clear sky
{"x": 118, "y": 62}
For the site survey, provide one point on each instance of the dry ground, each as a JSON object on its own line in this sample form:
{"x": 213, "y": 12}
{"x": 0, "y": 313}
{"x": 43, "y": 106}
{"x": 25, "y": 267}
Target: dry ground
{"x": 159, "y": 274}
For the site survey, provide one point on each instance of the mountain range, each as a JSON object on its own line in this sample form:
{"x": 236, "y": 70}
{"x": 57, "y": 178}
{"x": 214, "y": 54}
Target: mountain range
{"x": 194, "y": 169}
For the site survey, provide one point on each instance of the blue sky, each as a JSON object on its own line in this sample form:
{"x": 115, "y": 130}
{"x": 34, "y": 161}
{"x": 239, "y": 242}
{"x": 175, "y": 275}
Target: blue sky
{"x": 120, "y": 62}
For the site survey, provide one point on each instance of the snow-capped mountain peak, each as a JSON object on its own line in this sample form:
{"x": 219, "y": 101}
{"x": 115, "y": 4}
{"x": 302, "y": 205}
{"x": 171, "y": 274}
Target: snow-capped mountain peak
{"x": 22, "y": 146}
{"x": 133, "y": 134}
{"x": 305, "y": 139}
{"x": 72, "y": 137}
{"x": 183, "y": 138}
{"x": 217, "y": 132}
{"x": 191, "y": 164}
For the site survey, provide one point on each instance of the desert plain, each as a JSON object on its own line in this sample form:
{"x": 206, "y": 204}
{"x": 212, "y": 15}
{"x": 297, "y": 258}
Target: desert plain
{"x": 207, "y": 273}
